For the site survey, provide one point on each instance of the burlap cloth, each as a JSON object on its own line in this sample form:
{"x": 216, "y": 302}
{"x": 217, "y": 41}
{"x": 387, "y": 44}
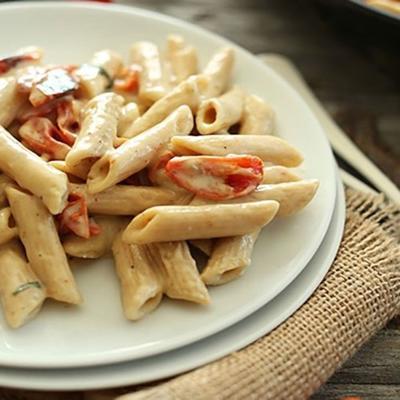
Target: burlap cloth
{"x": 360, "y": 294}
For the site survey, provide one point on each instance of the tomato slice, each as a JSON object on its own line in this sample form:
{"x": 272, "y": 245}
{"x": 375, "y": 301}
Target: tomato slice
{"x": 55, "y": 83}
{"x": 40, "y": 135}
{"x": 67, "y": 121}
{"x": 216, "y": 178}
{"x": 129, "y": 80}
{"x": 11, "y": 62}
{"x": 156, "y": 171}
{"x": 74, "y": 218}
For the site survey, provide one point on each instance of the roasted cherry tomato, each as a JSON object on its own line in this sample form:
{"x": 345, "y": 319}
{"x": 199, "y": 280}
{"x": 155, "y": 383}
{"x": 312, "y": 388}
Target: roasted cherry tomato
{"x": 40, "y": 135}
{"x": 216, "y": 178}
{"x": 129, "y": 80}
{"x": 11, "y": 62}
{"x": 74, "y": 218}
{"x": 67, "y": 121}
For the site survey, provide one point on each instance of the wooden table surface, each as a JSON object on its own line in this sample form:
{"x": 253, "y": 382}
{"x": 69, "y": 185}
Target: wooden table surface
{"x": 355, "y": 76}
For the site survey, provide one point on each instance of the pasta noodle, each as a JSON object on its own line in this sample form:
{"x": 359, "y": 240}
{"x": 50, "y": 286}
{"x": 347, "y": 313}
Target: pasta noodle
{"x": 186, "y": 93}
{"x": 258, "y": 118}
{"x": 182, "y": 280}
{"x": 173, "y": 223}
{"x": 10, "y": 100}
{"x": 219, "y": 70}
{"x": 41, "y": 179}
{"x": 4, "y": 182}
{"x": 45, "y": 253}
{"x": 268, "y": 148}
{"x": 141, "y": 287}
{"x": 125, "y": 199}
{"x": 21, "y": 292}
{"x": 136, "y": 153}
{"x": 229, "y": 258}
{"x": 99, "y": 129}
{"x": 220, "y": 113}
{"x": 151, "y": 85}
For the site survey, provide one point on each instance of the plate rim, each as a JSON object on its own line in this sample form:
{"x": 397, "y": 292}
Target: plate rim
{"x": 121, "y": 355}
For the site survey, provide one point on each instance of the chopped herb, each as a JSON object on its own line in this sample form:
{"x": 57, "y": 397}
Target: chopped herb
{"x": 25, "y": 286}
{"x": 106, "y": 75}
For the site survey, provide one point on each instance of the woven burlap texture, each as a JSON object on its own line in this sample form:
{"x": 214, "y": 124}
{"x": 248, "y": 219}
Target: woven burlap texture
{"x": 358, "y": 296}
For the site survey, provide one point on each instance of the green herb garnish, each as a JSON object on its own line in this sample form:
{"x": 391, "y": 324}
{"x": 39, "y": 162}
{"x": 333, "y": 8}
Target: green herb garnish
{"x": 25, "y": 286}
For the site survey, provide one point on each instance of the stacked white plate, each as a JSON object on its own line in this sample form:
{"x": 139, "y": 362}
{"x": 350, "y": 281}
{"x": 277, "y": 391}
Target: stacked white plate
{"x": 93, "y": 346}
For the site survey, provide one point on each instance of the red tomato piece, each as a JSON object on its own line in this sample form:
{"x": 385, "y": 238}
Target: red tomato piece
{"x": 40, "y": 135}
{"x": 156, "y": 172}
{"x": 11, "y": 62}
{"x": 67, "y": 121}
{"x": 74, "y": 218}
{"x": 216, "y": 178}
{"x": 129, "y": 81}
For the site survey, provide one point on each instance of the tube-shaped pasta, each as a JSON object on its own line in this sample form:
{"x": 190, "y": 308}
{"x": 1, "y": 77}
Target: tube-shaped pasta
{"x": 219, "y": 70}
{"x": 96, "y": 76}
{"x": 220, "y": 113}
{"x": 182, "y": 58}
{"x": 136, "y": 153}
{"x": 268, "y": 148}
{"x": 32, "y": 173}
{"x": 78, "y": 171}
{"x": 258, "y": 117}
{"x": 141, "y": 288}
{"x": 278, "y": 174}
{"x": 21, "y": 292}
{"x": 98, "y": 245}
{"x": 151, "y": 85}
{"x": 125, "y": 199}
{"x": 7, "y": 229}
{"x": 229, "y": 258}
{"x": 4, "y": 182}
{"x": 45, "y": 253}
{"x": 129, "y": 114}
{"x": 182, "y": 279}
{"x": 291, "y": 196}
{"x": 10, "y": 100}
{"x": 99, "y": 129}
{"x": 173, "y": 223}
{"x": 186, "y": 92}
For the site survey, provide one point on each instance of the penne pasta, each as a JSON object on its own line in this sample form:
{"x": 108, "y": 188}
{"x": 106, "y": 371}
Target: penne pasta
{"x": 21, "y": 292}
{"x": 95, "y": 77}
{"x": 125, "y": 199}
{"x": 219, "y": 70}
{"x": 173, "y": 223}
{"x": 220, "y": 113}
{"x": 10, "y": 100}
{"x": 4, "y": 182}
{"x": 45, "y": 253}
{"x": 182, "y": 279}
{"x": 268, "y": 148}
{"x": 8, "y": 230}
{"x": 78, "y": 171}
{"x": 182, "y": 58}
{"x": 186, "y": 93}
{"x": 141, "y": 287}
{"x": 98, "y": 245}
{"x": 291, "y": 196}
{"x": 151, "y": 85}
{"x": 136, "y": 153}
{"x": 278, "y": 174}
{"x": 258, "y": 117}
{"x": 99, "y": 129}
{"x": 33, "y": 173}
{"x": 129, "y": 114}
{"x": 229, "y": 258}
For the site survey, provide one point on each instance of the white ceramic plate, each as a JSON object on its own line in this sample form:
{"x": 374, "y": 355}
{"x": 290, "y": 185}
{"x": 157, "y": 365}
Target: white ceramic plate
{"x": 200, "y": 353}
{"x": 96, "y": 333}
